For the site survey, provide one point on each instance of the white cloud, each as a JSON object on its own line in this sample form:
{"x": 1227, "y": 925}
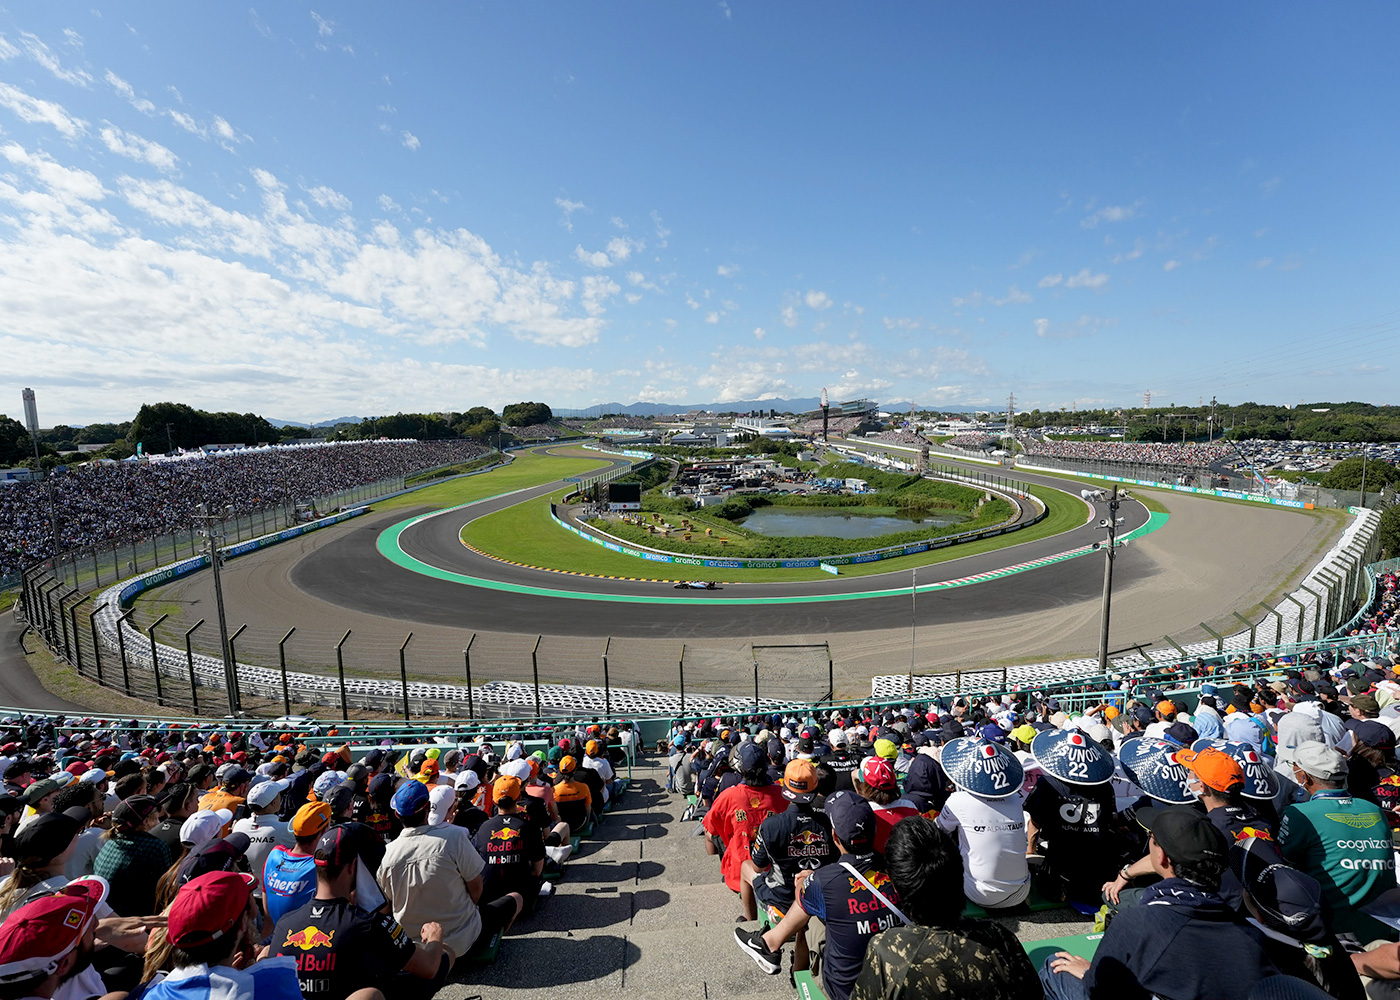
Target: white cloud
{"x": 328, "y": 197}
{"x": 44, "y": 56}
{"x": 759, "y": 333}
{"x": 1084, "y": 326}
{"x": 187, "y": 123}
{"x": 661, "y": 231}
{"x": 410, "y": 140}
{"x": 36, "y": 111}
{"x": 817, "y": 300}
{"x": 7, "y": 50}
{"x": 1042, "y": 327}
{"x": 1138, "y": 247}
{"x": 387, "y": 204}
{"x": 1111, "y": 213}
{"x": 1086, "y": 279}
{"x": 1050, "y": 280}
{"x": 727, "y": 270}
{"x": 127, "y": 91}
{"x": 596, "y": 258}
{"x": 324, "y": 28}
{"x": 636, "y": 278}
{"x": 724, "y": 6}
{"x": 712, "y": 318}
{"x": 621, "y": 247}
{"x": 690, "y": 301}
{"x": 1171, "y": 265}
{"x": 134, "y": 147}
{"x": 568, "y": 208}
{"x": 789, "y": 315}
{"x": 1270, "y": 186}
{"x": 1263, "y": 262}
{"x": 972, "y": 301}
{"x": 618, "y": 222}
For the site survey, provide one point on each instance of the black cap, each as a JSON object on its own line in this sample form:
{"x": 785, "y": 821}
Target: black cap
{"x": 1288, "y": 900}
{"x": 1185, "y": 833}
{"x": 47, "y": 836}
{"x": 132, "y": 812}
{"x": 219, "y": 855}
{"x": 342, "y": 843}
{"x": 852, "y": 820}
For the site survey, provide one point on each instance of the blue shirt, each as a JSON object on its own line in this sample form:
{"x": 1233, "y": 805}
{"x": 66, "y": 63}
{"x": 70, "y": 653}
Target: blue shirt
{"x": 270, "y": 979}
{"x": 289, "y": 881}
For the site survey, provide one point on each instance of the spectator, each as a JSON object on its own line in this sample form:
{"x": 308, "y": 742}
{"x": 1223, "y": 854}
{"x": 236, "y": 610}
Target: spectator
{"x": 1183, "y": 941}
{"x": 512, "y": 847}
{"x": 49, "y": 943}
{"x": 230, "y": 794}
{"x": 40, "y": 852}
{"x": 1070, "y": 814}
{"x": 787, "y": 847}
{"x": 939, "y": 952}
{"x": 1342, "y": 842}
{"x": 853, "y": 898}
{"x": 263, "y": 828}
{"x": 213, "y": 932}
{"x": 83, "y": 795}
{"x": 289, "y": 874}
{"x": 339, "y": 946}
{"x": 739, "y": 811}
{"x": 877, "y": 784}
{"x": 573, "y": 798}
{"x": 132, "y": 861}
{"x": 985, "y": 812}
{"x": 181, "y": 802}
{"x": 433, "y": 874}
{"x": 1285, "y": 906}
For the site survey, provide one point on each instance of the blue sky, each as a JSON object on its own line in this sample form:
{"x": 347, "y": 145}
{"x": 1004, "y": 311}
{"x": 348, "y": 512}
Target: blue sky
{"x": 309, "y": 211}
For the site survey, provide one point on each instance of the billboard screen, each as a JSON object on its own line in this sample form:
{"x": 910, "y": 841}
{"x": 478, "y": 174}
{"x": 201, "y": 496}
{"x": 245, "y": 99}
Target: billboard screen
{"x": 624, "y": 496}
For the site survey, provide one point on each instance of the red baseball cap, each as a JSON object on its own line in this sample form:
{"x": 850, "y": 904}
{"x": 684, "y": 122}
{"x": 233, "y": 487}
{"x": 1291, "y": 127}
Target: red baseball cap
{"x": 208, "y": 907}
{"x": 877, "y": 773}
{"x": 36, "y": 937}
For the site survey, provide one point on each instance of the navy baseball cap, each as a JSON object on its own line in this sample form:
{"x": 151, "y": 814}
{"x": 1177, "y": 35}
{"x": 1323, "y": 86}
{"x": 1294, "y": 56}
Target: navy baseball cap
{"x": 852, "y": 820}
{"x": 751, "y": 756}
{"x": 339, "y": 844}
{"x": 410, "y": 799}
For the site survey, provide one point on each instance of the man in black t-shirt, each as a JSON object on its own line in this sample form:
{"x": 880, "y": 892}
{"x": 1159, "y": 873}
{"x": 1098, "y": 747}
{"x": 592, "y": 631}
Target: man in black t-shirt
{"x": 512, "y": 847}
{"x": 340, "y": 948}
{"x": 788, "y": 847}
{"x": 841, "y": 763}
{"x": 1075, "y": 822}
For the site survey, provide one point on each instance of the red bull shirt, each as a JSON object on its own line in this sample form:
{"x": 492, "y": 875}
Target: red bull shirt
{"x": 852, "y": 915}
{"x": 510, "y": 844}
{"x": 339, "y": 948}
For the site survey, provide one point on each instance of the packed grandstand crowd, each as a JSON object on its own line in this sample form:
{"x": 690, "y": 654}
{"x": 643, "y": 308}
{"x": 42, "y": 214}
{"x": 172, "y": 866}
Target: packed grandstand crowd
{"x": 972, "y": 442}
{"x": 140, "y": 499}
{"x": 898, "y": 437}
{"x": 1136, "y": 452}
{"x": 168, "y": 862}
{"x": 1243, "y": 849}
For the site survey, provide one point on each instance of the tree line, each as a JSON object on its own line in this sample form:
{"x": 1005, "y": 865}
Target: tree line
{"x": 162, "y": 427}
{"x": 1321, "y": 421}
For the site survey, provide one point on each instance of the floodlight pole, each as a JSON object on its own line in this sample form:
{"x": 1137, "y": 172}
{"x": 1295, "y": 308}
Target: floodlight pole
{"x": 212, "y": 535}
{"x": 1108, "y": 580}
{"x": 913, "y": 625}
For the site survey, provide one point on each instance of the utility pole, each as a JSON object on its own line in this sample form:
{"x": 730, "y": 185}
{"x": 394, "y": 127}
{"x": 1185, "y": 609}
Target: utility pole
{"x": 913, "y": 625}
{"x": 1364, "y": 457}
{"x": 212, "y": 536}
{"x": 1210, "y": 422}
{"x": 1112, "y": 524}
{"x": 169, "y": 439}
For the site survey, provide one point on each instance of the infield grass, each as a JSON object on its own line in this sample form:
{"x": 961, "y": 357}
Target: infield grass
{"x": 528, "y": 469}
{"x": 525, "y": 534}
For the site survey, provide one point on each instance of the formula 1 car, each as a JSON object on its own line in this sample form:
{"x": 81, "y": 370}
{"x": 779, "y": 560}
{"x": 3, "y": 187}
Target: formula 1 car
{"x": 697, "y": 585}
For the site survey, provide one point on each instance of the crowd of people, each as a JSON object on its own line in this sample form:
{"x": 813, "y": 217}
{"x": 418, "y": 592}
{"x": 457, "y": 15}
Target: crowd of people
{"x": 108, "y": 502}
{"x": 975, "y": 441}
{"x": 1244, "y": 848}
{"x": 908, "y": 438}
{"x": 1198, "y": 456}
{"x": 163, "y": 862}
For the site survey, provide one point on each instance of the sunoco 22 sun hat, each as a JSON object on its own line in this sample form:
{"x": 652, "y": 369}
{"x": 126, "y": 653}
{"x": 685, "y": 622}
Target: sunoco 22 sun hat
{"x": 982, "y": 767}
{"x": 1072, "y": 757}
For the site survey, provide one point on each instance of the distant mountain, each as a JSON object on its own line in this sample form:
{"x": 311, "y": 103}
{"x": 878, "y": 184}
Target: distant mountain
{"x": 320, "y": 423}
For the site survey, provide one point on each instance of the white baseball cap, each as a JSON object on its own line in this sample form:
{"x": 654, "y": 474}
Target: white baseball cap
{"x": 204, "y": 826}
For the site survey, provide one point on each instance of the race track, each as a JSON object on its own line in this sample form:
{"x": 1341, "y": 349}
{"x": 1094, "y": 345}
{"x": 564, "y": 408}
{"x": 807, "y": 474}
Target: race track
{"x": 1209, "y": 559}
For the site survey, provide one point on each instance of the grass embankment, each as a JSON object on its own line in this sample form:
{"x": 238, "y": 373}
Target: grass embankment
{"x": 526, "y": 470}
{"x": 525, "y": 534}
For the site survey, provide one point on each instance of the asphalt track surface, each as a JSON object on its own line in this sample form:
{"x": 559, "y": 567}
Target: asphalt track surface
{"x": 349, "y": 572}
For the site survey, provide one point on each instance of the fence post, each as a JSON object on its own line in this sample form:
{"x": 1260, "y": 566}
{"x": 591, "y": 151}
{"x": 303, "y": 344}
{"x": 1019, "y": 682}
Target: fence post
{"x": 1302, "y": 612}
{"x": 63, "y": 617}
{"x": 189, "y": 661}
{"x": 1219, "y": 639}
{"x": 1317, "y": 616}
{"x": 1247, "y": 625}
{"x": 403, "y": 678}
{"x": 155, "y": 661}
{"x": 607, "y": 689}
{"x": 340, "y": 668}
{"x": 121, "y": 650}
{"x": 282, "y": 659}
{"x": 535, "y": 665}
{"x": 1176, "y": 646}
{"x": 467, "y": 653}
{"x": 77, "y": 642}
{"x": 681, "y": 664}
{"x": 235, "y": 698}
{"x": 1278, "y": 623}
{"x": 96, "y": 646}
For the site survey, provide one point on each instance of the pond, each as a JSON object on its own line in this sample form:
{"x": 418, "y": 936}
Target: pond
{"x": 843, "y": 522}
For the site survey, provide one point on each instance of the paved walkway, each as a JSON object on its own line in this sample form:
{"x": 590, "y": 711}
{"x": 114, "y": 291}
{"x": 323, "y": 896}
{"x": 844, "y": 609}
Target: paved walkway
{"x": 19, "y": 687}
{"x": 642, "y": 909}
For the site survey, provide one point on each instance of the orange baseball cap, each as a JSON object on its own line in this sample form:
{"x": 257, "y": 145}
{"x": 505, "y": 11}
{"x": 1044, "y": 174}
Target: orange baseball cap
{"x": 1216, "y": 768}
{"x": 311, "y": 820}
{"x": 1110, "y": 713}
{"x": 568, "y": 765}
{"x": 506, "y": 787}
{"x": 1166, "y": 707}
{"x": 800, "y": 781}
